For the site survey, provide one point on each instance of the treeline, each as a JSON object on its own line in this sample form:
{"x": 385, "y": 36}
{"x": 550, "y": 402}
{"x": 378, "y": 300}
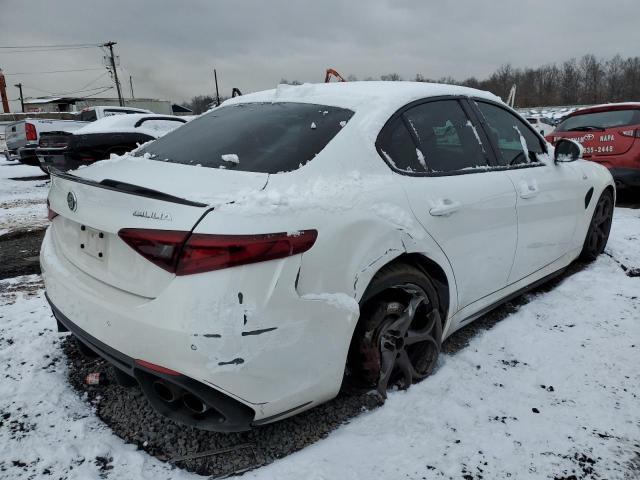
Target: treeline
{"x": 581, "y": 81}
{"x": 586, "y": 80}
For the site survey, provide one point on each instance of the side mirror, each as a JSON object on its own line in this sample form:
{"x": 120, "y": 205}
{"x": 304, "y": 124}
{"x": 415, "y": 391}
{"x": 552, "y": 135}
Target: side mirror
{"x": 567, "y": 150}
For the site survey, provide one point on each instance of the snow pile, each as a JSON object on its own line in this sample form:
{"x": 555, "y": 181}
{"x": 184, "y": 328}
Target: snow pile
{"x": 22, "y": 202}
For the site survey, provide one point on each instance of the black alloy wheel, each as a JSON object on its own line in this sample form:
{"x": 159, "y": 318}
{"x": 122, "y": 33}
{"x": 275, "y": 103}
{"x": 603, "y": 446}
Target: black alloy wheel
{"x": 599, "y": 228}
{"x": 398, "y": 338}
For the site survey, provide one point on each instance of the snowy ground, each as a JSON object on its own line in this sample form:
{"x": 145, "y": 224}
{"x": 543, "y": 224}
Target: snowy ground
{"x": 549, "y": 392}
{"x": 22, "y": 202}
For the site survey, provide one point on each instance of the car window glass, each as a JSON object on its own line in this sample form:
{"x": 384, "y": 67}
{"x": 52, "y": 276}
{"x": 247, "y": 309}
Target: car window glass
{"x": 88, "y": 116}
{"x": 517, "y": 144}
{"x": 447, "y": 140}
{"x": 252, "y": 137}
{"x": 608, "y": 119}
{"x": 400, "y": 151}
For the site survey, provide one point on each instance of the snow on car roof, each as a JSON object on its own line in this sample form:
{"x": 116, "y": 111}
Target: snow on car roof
{"x": 124, "y": 124}
{"x": 355, "y": 95}
{"x": 372, "y": 101}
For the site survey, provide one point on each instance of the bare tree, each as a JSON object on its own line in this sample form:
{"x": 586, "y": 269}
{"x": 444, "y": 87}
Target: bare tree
{"x": 391, "y": 77}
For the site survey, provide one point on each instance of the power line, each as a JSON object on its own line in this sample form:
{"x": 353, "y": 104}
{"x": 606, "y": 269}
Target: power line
{"x": 53, "y": 46}
{"x": 56, "y": 71}
{"x": 44, "y": 50}
{"x": 98, "y": 93}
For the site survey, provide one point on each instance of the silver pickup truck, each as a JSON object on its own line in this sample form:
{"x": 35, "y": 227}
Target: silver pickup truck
{"x": 22, "y": 137}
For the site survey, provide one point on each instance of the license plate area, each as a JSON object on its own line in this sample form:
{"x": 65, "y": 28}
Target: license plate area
{"x": 93, "y": 242}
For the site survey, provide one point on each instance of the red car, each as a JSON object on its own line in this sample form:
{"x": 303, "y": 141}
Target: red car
{"x": 610, "y": 135}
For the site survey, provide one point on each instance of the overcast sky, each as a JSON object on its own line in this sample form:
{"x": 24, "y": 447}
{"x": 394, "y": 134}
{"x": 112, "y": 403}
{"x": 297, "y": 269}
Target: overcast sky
{"x": 171, "y": 47}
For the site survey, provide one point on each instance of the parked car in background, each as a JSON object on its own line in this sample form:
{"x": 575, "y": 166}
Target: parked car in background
{"x": 610, "y": 135}
{"x": 542, "y": 126}
{"x": 22, "y": 137}
{"x": 245, "y": 266}
{"x": 116, "y": 134}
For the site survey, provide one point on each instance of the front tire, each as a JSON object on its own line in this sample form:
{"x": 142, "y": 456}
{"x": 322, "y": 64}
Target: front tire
{"x": 599, "y": 228}
{"x": 397, "y": 340}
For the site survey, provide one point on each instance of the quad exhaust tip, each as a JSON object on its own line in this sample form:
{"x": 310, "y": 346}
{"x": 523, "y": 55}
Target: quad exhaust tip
{"x": 169, "y": 393}
{"x": 194, "y": 404}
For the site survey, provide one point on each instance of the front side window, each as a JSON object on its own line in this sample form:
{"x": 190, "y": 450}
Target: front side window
{"x": 252, "y": 137}
{"x": 517, "y": 144}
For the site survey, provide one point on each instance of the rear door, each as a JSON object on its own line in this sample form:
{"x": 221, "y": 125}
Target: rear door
{"x": 550, "y": 196}
{"x": 445, "y": 167}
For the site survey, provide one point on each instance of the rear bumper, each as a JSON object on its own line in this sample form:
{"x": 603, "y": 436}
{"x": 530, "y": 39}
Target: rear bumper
{"x": 628, "y": 177}
{"x": 273, "y": 352}
{"x": 28, "y": 156}
{"x": 225, "y": 414}
{"x": 59, "y": 159}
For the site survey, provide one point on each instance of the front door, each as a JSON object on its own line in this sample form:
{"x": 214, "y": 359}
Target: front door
{"x": 548, "y": 195}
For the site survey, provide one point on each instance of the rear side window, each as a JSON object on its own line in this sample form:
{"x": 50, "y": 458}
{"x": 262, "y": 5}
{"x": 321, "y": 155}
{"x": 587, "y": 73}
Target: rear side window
{"x": 516, "y": 142}
{"x": 600, "y": 120}
{"x": 444, "y": 140}
{"x": 399, "y": 149}
{"x": 88, "y": 116}
{"x": 252, "y": 137}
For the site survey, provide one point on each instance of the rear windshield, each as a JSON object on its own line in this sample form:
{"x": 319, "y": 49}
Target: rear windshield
{"x": 252, "y": 137}
{"x": 609, "y": 119}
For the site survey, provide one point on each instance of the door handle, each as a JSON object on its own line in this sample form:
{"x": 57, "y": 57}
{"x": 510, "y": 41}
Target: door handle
{"x": 444, "y": 207}
{"x": 529, "y": 189}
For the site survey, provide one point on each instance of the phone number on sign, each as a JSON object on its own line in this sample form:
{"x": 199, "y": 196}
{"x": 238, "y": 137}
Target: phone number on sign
{"x": 605, "y": 149}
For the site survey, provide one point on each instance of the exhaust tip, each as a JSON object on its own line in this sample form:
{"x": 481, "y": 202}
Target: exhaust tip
{"x": 194, "y": 404}
{"x": 164, "y": 391}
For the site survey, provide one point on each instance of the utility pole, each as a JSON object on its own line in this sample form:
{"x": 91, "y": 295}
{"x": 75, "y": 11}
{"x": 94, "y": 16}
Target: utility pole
{"x": 3, "y": 93}
{"x": 19, "y": 87}
{"x": 215, "y": 76}
{"x": 131, "y": 85}
{"x": 115, "y": 73}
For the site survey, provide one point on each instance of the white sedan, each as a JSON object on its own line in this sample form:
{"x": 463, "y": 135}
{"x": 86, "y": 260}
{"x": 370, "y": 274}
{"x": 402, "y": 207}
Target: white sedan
{"x": 244, "y": 267}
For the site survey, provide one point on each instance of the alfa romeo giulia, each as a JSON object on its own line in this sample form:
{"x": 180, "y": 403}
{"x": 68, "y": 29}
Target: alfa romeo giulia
{"x": 300, "y": 240}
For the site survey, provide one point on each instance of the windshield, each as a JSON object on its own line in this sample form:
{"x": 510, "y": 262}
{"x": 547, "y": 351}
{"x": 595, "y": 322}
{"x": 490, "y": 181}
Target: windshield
{"x": 252, "y": 137}
{"x": 608, "y": 119}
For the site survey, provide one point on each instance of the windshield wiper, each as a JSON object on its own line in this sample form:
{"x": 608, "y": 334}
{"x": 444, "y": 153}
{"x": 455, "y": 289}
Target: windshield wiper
{"x": 586, "y": 128}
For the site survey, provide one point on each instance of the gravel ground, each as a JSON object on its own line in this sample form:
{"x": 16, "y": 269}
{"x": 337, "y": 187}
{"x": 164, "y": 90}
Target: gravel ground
{"x": 19, "y": 253}
{"x": 129, "y": 415}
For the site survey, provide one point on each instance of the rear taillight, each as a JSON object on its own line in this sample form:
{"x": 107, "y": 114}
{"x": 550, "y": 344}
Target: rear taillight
{"x": 185, "y": 254}
{"x": 51, "y": 214}
{"x": 631, "y": 133}
{"x": 30, "y": 131}
{"x": 158, "y": 246}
